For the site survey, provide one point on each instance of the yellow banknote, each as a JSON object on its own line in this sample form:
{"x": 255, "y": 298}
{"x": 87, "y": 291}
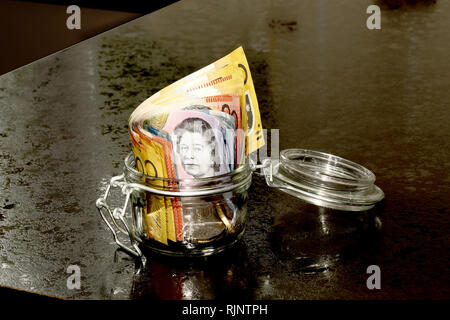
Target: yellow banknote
{"x": 158, "y": 213}
{"x": 217, "y": 78}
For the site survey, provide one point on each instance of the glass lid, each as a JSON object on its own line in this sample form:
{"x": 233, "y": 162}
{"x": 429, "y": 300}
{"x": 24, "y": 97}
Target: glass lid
{"x": 323, "y": 179}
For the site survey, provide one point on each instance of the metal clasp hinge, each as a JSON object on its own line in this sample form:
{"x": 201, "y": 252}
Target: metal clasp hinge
{"x": 266, "y": 168}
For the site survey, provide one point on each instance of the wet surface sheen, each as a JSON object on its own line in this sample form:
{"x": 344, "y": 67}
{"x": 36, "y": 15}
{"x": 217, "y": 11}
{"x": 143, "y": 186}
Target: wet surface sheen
{"x": 379, "y": 98}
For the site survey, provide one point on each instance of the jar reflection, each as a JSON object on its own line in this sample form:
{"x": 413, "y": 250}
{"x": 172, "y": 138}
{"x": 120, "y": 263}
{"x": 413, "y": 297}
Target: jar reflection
{"x": 222, "y": 276}
{"x": 309, "y": 238}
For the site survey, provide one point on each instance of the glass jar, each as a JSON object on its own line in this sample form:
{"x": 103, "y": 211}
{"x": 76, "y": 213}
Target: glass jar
{"x": 213, "y": 210}
{"x": 209, "y": 213}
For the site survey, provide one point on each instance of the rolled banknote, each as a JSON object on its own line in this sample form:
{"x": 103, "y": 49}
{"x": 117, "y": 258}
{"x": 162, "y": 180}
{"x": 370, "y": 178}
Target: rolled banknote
{"x": 226, "y": 108}
{"x": 197, "y": 142}
{"x": 216, "y": 79}
{"x": 203, "y": 144}
{"x": 201, "y": 126}
{"x": 150, "y": 158}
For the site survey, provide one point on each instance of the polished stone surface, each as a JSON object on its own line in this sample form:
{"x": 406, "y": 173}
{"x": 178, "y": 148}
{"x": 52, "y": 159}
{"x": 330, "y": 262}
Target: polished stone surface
{"x": 377, "y": 97}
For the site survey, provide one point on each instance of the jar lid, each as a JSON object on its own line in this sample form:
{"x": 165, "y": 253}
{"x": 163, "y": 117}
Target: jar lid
{"x": 323, "y": 179}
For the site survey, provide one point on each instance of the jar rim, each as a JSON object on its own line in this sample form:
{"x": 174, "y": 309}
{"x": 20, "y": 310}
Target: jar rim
{"x": 327, "y": 170}
{"x": 324, "y": 179}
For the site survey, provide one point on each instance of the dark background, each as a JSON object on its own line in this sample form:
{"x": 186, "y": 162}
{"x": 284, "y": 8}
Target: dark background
{"x": 34, "y": 29}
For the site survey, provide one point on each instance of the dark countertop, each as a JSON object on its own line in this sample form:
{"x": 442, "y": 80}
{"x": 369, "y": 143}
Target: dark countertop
{"x": 377, "y": 97}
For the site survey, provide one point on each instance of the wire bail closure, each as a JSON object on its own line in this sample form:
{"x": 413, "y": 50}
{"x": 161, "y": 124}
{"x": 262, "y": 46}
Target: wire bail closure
{"x": 119, "y": 214}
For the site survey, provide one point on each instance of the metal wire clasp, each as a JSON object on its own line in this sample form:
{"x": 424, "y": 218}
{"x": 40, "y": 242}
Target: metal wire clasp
{"x": 265, "y": 164}
{"x": 119, "y": 214}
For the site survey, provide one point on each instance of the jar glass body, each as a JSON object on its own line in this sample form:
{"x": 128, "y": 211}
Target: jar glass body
{"x": 195, "y": 217}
